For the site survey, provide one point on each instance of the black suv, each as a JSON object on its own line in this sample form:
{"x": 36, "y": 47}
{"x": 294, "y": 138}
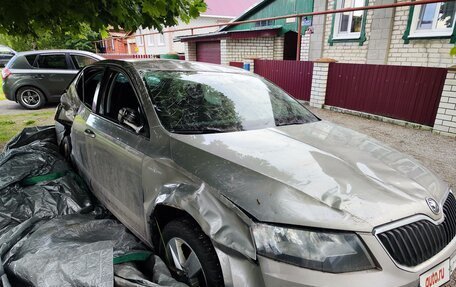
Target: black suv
{"x": 36, "y": 77}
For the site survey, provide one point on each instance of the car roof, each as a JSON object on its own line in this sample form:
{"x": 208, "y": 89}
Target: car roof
{"x": 37, "y": 52}
{"x": 172, "y": 66}
{"x": 4, "y": 48}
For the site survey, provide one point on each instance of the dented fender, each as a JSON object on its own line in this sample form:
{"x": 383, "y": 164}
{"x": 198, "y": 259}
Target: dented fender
{"x": 165, "y": 183}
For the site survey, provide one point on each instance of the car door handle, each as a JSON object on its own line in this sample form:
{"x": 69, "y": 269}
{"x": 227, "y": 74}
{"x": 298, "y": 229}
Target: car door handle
{"x": 89, "y": 133}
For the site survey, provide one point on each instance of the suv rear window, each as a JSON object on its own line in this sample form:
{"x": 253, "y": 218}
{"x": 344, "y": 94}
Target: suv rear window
{"x": 52, "y": 62}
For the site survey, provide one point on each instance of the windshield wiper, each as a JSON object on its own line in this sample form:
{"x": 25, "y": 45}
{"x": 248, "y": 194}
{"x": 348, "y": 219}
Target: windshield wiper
{"x": 201, "y": 131}
{"x": 279, "y": 124}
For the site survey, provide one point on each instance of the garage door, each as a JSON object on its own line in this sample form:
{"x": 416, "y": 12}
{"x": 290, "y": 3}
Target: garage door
{"x": 208, "y": 52}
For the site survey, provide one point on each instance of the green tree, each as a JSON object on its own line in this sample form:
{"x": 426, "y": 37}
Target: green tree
{"x": 45, "y": 39}
{"x": 32, "y": 17}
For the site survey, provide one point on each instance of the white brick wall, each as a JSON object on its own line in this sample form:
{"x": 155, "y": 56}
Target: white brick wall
{"x": 349, "y": 52}
{"x": 190, "y": 51}
{"x": 446, "y": 114}
{"x": 426, "y": 52}
{"x": 305, "y": 46}
{"x": 237, "y": 50}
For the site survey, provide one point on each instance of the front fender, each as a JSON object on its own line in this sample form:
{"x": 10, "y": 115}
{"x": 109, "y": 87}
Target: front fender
{"x": 223, "y": 222}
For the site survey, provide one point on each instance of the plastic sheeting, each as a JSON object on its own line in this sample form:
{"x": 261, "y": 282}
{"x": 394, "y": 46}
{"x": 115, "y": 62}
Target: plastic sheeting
{"x": 50, "y": 234}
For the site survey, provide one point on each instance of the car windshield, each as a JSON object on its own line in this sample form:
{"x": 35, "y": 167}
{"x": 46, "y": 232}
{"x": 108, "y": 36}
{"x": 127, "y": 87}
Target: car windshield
{"x": 208, "y": 102}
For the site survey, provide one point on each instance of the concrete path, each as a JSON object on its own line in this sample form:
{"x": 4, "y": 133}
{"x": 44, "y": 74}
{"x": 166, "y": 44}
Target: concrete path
{"x": 11, "y": 108}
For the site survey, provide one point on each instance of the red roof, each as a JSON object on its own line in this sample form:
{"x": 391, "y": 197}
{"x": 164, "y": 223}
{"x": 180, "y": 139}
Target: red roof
{"x": 230, "y": 8}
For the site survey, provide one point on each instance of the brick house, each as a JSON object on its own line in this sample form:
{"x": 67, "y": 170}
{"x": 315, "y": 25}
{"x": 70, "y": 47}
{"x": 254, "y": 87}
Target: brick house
{"x": 273, "y": 39}
{"x": 404, "y": 36}
{"x": 117, "y": 43}
{"x": 218, "y": 12}
{"x": 410, "y": 36}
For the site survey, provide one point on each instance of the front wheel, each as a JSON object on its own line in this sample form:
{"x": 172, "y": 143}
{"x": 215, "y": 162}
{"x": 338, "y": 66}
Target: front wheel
{"x": 190, "y": 255}
{"x": 30, "y": 98}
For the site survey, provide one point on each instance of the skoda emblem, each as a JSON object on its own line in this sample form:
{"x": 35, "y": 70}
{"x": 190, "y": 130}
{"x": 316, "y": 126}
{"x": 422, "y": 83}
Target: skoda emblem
{"x": 433, "y": 205}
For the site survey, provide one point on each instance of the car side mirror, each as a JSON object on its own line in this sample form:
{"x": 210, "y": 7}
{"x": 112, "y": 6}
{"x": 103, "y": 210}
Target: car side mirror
{"x": 130, "y": 118}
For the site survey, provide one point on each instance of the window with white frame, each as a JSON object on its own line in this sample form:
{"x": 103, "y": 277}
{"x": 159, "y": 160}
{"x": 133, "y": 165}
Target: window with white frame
{"x": 150, "y": 40}
{"x": 161, "y": 40}
{"x": 433, "y": 20}
{"x": 139, "y": 40}
{"x": 348, "y": 25}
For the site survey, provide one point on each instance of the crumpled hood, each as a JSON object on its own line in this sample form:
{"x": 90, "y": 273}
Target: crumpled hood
{"x": 317, "y": 174}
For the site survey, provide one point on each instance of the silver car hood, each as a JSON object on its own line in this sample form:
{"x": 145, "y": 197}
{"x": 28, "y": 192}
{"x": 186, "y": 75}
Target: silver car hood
{"x": 317, "y": 174}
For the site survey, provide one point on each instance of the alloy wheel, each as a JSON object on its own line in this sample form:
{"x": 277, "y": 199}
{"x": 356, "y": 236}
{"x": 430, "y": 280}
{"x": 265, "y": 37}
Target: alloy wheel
{"x": 30, "y": 98}
{"x": 186, "y": 263}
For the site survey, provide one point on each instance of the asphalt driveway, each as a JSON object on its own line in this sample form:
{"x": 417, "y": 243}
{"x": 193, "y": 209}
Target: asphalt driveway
{"x": 13, "y": 108}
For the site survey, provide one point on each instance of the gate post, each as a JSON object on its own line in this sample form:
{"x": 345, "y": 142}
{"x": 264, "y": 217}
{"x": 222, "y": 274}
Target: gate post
{"x": 319, "y": 82}
{"x": 251, "y": 63}
{"x": 445, "y": 121}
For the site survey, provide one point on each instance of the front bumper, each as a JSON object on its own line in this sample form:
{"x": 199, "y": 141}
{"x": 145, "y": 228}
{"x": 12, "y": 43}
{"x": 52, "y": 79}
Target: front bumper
{"x": 281, "y": 274}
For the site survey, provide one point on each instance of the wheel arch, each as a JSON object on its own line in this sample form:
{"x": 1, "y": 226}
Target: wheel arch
{"x": 16, "y": 91}
{"x": 162, "y": 215}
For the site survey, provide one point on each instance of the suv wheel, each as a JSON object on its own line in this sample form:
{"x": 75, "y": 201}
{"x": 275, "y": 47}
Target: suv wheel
{"x": 30, "y": 98}
{"x": 189, "y": 254}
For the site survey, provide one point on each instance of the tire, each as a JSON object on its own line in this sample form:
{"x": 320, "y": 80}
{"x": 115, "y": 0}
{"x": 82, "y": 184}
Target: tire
{"x": 65, "y": 148}
{"x": 30, "y": 98}
{"x": 192, "y": 239}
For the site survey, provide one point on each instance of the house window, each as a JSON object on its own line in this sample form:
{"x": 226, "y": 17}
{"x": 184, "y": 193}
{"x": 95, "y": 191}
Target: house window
{"x": 150, "y": 40}
{"x": 264, "y": 23}
{"x": 348, "y": 25}
{"x": 161, "y": 40}
{"x": 139, "y": 40}
{"x": 433, "y": 20}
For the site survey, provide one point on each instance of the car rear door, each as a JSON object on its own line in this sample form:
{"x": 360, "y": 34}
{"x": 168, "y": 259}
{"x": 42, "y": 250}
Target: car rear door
{"x": 116, "y": 162}
{"x": 55, "y": 72}
{"x": 87, "y": 88}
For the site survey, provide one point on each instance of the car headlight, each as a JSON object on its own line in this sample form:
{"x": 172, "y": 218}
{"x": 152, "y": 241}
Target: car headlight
{"x": 334, "y": 252}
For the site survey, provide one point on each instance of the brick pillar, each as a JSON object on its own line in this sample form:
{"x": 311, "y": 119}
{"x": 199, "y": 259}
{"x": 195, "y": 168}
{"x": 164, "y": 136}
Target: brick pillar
{"x": 445, "y": 121}
{"x": 190, "y": 51}
{"x": 380, "y": 34}
{"x": 319, "y": 81}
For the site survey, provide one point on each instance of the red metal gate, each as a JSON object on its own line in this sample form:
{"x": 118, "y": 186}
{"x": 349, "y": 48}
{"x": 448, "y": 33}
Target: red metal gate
{"x": 237, "y": 64}
{"x": 401, "y": 92}
{"x": 295, "y": 77}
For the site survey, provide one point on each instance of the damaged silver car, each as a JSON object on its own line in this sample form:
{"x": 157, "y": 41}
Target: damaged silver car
{"x": 235, "y": 183}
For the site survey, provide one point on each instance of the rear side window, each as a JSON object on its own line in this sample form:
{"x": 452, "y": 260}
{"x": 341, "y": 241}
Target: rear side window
{"x": 92, "y": 81}
{"x": 20, "y": 62}
{"x": 80, "y": 61}
{"x": 57, "y": 61}
{"x": 31, "y": 59}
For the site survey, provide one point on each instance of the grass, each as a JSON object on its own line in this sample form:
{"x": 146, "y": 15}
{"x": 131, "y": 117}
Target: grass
{"x": 10, "y": 125}
{"x": 2, "y": 95}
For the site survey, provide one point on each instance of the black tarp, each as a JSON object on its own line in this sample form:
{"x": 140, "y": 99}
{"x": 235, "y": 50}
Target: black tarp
{"x": 50, "y": 231}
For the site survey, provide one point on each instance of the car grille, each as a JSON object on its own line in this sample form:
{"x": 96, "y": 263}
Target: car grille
{"x": 414, "y": 243}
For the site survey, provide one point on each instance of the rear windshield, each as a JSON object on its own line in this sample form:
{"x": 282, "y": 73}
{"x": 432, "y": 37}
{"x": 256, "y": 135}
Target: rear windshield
{"x": 205, "y": 102}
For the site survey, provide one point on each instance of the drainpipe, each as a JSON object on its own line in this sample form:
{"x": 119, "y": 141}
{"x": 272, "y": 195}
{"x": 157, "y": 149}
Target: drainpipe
{"x": 298, "y": 48}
